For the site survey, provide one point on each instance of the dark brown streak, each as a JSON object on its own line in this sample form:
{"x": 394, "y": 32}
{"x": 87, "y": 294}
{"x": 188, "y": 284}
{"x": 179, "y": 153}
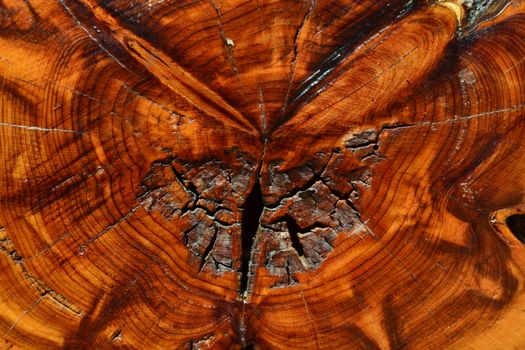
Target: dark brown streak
{"x": 118, "y": 299}
{"x": 391, "y": 324}
{"x": 362, "y": 339}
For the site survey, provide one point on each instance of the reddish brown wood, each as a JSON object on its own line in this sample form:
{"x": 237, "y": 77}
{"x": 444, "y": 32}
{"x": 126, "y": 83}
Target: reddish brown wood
{"x": 331, "y": 174}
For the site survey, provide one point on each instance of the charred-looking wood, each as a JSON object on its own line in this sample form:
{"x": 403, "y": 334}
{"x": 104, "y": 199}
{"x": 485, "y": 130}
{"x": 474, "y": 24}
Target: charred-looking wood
{"x": 322, "y": 174}
{"x": 295, "y": 233}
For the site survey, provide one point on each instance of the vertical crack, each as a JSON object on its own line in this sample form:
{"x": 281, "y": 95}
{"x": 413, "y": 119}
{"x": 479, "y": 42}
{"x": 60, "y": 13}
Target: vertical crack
{"x": 295, "y": 55}
{"x": 250, "y": 223}
{"x": 293, "y": 231}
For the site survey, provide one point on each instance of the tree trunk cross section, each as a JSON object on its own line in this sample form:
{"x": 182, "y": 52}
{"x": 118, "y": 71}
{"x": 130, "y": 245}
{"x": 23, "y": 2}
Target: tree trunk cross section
{"x": 325, "y": 174}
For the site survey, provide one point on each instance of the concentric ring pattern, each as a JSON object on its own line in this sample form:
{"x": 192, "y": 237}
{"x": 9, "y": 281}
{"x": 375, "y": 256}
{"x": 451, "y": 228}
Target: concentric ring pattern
{"x": 325, "y": 174}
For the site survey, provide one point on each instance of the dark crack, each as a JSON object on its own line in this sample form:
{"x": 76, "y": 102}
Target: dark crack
{"x": 296, "y": 54}
{"x": 250, "y": 224}
{"x": 294, "y": 230}
{"x": 228, "y": 226}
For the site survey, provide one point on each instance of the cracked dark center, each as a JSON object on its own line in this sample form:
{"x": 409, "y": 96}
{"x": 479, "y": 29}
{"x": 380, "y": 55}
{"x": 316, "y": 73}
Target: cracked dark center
{"x": 236, "y": 221}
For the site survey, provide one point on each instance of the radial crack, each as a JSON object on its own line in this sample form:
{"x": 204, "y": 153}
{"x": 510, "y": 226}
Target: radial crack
{"x": 95, "y": 40}
{"x": 82, "y": 249}
{"x": 38, "y": 128}
{"x": 296, "y": 54}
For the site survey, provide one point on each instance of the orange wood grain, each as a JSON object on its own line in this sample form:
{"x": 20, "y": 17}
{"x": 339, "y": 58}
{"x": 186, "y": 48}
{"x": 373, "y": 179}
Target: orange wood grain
{"x": 326, "y": 174}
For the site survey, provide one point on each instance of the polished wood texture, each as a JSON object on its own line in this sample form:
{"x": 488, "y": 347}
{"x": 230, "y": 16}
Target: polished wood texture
{"x": 261, "y": 174}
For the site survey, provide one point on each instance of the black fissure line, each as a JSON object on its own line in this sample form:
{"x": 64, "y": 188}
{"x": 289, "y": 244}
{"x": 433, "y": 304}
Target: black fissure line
{"x": 250, "y": 223}
{"x": 293, "y": 230}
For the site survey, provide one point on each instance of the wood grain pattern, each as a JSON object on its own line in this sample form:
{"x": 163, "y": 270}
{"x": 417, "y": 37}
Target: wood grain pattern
{"x": 325, "y": 174}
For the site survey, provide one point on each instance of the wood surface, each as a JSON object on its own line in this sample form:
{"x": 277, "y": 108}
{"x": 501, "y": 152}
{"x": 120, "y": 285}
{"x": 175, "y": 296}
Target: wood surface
{"x": 262, "y": 174}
